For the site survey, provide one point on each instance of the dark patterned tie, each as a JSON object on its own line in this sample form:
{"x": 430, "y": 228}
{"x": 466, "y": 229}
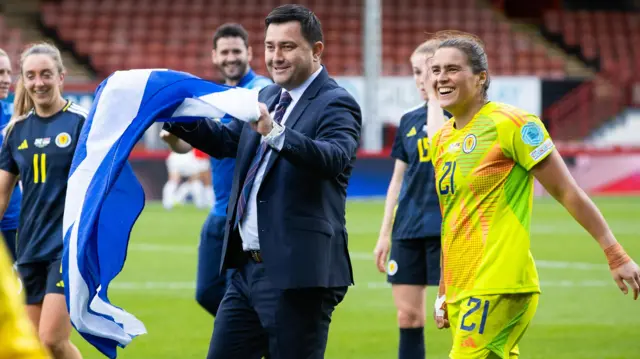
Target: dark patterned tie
{"x": 285, "y": 100}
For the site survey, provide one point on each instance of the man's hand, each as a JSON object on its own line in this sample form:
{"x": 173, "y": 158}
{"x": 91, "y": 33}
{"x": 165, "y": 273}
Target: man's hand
{"x": 630, "y": 273}
{"x": 381, "y": 253}
{"x": 168, "y": 137}
{"x": 176, "y": 144}
{"x": 264, "y": 125}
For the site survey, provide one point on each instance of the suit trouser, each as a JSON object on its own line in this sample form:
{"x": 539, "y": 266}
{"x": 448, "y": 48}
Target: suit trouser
{"x": 210, "y": 284}
{"x": 255, "y": 319}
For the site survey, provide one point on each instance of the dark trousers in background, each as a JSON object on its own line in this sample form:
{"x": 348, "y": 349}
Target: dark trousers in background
{"x": 210, "y": 284}
{"x": 255, "y": 319}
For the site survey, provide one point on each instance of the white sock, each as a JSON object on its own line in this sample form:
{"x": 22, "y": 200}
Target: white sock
{"x": 182, "y": 192}
{"x": 168, "y": 193}
{"x": 198, "y": 195}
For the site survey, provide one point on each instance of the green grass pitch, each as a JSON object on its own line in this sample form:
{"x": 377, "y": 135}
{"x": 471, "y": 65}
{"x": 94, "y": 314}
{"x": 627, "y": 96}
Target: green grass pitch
{"x": 581, "y": 314}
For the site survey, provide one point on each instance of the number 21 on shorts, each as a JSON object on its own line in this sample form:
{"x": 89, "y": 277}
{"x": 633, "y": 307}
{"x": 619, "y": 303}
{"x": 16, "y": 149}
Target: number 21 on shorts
{"x": 470, "y": 324}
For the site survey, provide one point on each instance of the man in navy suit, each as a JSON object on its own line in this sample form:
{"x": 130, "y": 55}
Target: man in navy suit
{"x": 285, "y": 230}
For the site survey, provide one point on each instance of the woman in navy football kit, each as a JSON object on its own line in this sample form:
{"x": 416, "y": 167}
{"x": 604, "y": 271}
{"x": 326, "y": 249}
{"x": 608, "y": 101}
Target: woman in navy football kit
{"x": 39, "y": 143}
{"x": 412, "y": 218}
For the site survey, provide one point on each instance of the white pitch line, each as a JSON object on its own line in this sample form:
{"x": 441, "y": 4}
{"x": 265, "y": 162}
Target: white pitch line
{"x": 543, "y": 284}
{"x": 132, "y": 286}
{"x": 362, "y": 256}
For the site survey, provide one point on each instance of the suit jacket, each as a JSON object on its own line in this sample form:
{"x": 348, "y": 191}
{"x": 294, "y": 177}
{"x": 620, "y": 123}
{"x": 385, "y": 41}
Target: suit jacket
{"x": 301, "y": 200}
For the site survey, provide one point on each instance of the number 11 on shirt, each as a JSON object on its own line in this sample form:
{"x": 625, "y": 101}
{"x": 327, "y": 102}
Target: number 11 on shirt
{"x": 447, "y": 176}
{"x": 39, "y": 167}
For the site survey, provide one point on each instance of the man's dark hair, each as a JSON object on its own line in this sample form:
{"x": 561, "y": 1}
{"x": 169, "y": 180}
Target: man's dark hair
{"x": 231, "y": 30}
{"x": 309, "y": 22}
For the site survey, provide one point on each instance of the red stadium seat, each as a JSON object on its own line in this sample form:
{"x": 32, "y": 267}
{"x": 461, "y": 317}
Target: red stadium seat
{"x": 185, "y": 29}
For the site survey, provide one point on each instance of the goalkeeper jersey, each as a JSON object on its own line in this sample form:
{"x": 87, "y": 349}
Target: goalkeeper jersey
{"x": 486, "y": 194}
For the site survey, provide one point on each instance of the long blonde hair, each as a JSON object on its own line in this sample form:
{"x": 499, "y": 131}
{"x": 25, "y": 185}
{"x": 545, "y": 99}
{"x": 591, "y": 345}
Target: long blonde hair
{"x": 22, "y": 103}
{"x": 3, "y": 53}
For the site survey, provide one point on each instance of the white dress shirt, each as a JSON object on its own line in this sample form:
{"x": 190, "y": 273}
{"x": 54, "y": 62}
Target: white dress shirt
{"x": 248, "y": 226}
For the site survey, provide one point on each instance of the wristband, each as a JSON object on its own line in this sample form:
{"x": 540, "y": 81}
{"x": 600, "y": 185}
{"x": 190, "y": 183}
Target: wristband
{"x": 616, "y": 256}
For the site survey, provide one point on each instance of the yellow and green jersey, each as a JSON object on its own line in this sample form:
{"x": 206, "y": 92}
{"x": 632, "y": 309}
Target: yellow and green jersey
{"x": 18, "y": 337}
{"x": 486, "y": 197}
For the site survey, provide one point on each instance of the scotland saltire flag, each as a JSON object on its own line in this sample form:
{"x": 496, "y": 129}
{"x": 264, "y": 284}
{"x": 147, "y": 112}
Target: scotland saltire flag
{"x": 104, "y": 197}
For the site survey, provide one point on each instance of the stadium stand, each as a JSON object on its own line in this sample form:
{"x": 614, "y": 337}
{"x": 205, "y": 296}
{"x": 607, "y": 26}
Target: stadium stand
{"x": 106, "y": 35}
{"x": 510, "y": 52}
{"x": 116, "y": 34}
{"x": 607, "y": 41}
{"x": 604, "y": 38}
{"x": 10, "y": 40}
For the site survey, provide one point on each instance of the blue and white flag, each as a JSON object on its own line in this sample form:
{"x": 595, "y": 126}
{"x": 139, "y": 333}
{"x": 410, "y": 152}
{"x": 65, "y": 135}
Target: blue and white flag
{"x": 104, "y": 197}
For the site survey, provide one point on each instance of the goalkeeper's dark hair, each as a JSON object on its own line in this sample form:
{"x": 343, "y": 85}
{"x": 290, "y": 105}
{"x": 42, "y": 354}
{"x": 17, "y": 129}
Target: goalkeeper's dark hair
{"x": 230, "y": 30}
{"x": 472, "y": 46}
{"x": 309, "y": 23}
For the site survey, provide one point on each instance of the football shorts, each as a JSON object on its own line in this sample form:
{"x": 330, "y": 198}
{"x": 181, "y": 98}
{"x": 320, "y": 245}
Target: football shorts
{"x": 490, "y": 326}
{"x": 414, "y": 261}
{"x": 41, "y": 278}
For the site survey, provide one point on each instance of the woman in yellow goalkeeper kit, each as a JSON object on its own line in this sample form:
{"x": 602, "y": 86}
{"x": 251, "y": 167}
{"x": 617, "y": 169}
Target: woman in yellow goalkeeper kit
{"x": 485, "y": 159}
{"x": 18, "y": 339}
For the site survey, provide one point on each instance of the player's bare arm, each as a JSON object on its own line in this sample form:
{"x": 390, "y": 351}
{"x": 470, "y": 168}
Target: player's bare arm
{"x": 381, "y": 251}
{"x": 7, "y": 183}
{"x": 553, "y": 174}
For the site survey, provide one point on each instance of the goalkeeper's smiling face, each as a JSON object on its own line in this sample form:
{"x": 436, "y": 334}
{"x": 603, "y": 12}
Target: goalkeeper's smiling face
{"x": 454, "y": 83}
{"x": 232, "y": 57}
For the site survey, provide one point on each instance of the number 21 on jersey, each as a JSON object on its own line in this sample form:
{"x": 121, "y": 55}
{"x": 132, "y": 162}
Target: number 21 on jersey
{"x": 39, "y": 167}
{"x": 446, "y": 184}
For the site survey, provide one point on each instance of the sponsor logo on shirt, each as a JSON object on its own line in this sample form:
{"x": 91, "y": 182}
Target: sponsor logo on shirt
{"x": 542, "y": 150}
{"x": 42, "y": 142}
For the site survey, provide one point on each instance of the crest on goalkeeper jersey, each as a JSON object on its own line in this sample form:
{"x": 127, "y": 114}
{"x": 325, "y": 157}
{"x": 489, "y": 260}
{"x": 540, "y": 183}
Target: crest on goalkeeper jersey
{"x": 469, "y": 143}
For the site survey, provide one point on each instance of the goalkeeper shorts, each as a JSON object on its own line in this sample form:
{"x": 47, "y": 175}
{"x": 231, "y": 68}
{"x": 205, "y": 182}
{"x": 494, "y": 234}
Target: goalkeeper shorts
{"x": 490, "y": 326}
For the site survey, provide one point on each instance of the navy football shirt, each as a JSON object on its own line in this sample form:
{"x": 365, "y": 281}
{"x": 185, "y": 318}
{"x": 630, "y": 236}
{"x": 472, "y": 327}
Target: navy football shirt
{"x": 40, "y": 151}
{"x": 418, "y": 211}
